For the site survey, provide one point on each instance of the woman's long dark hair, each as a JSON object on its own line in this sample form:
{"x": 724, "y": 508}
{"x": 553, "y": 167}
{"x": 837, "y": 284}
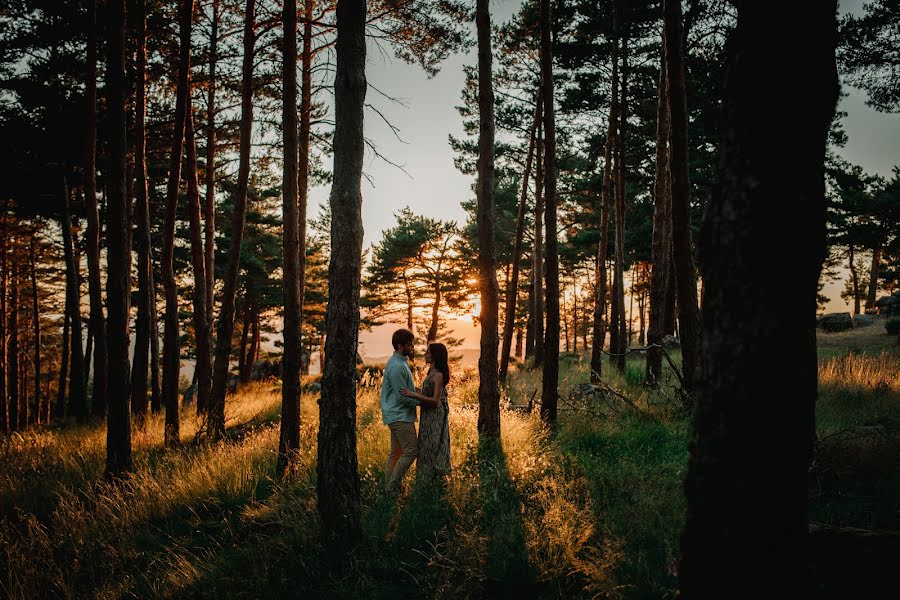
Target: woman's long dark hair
{"x": 440, "y": 360}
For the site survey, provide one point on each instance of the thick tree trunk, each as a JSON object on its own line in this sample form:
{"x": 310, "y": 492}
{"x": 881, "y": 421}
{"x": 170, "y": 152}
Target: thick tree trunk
{"x": 203, "y": 368}
{"x": 4, "y": 284}
{"x": 289, "y": 439}
{"x": 873, "y": 278}
{"x": 118, "y": 275}
{"x": 747, "y": 477}
{"x": 537, "y": 275}
{"x": 36, "y": 336}
{"x": 600, "y": 324}
{"x": 488, "y": 383}
{"x": 77, "y": 380}
{"x": 685, "y": 273}
{"x": 140, "y": 364}
{"x": 95, "y": 286}
{"x": 171, "y": 346}
{"x": 550, "y": 392}
{"x": 338, "y": 475}
{"x": 512, "y": 289}
{"x": 233, "y": 259}
{"x": 662, "y": 237}
{"x": 60, "y": 412}
{"x": 209, "y": 207}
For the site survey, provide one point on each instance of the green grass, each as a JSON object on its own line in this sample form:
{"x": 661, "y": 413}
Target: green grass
{"x": 593, "y": 509}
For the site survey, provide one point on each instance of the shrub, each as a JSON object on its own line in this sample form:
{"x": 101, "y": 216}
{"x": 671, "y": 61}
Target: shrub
{"x": 892, "y": 326}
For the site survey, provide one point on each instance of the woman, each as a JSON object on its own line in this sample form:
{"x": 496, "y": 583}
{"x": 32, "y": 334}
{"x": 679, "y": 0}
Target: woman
{"x": 434, "y": 426}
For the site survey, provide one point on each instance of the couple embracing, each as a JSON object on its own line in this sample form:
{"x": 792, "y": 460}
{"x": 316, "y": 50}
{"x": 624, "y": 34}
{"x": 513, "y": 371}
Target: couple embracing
{"x": 399, "y": 399}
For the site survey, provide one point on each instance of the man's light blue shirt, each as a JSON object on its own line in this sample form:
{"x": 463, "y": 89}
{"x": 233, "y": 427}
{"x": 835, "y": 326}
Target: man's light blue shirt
{"x": 394, "y": 406}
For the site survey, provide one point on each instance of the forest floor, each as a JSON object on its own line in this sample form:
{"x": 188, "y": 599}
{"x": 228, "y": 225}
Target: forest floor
{"x": 593, "y": 510}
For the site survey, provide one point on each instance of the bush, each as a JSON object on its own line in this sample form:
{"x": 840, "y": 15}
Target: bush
{"x": 892, "y": 326}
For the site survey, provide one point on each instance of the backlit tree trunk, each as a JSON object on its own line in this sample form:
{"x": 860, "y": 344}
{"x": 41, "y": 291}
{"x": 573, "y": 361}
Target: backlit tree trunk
{"x": 747, "y": 478}
{"x": 338, "y": 475}
{"x": 685, "y": 273}
{"x": 225, "y": 327}
{"x": 512, "y": 289}
{"x": 662, "y": 238}
{"x": 118, "y": 276}
{"x": 95, "y": 286}
{"x": 203, "y": 368}
{"x": 289, "y": 440}
{"x": 171, "y": 346}
{"x": 77, "y": 380}
{"x": 550, "y": 391}
{"x": 488, "y": 384}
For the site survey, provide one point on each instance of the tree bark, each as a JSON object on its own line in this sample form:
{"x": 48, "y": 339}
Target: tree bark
{"x": 209, "y": 207}
{"x": 873, "y": 277}
{"x": 618, "y": 343}
{"x": 289, "y": 439}
{"x": 662, "y": 237}
{"x": 600, "y": 325}
{"x": 60, "y": 412}
{"x": 139, "y": 369}
{"x": 95, "y": 286}
{"x": 225, "y": 327}
{"x": 77, "y": 379}
{"x": 155, "y": 390}
{"x": 118, "y": 275}
{"x": 4, "y": 285}
{"x": 12, "y": 354}
{"x": 36, "y": 321}
{"x": 854, "y": 278}
{"x": 171, "y": 345}
{"x": 550, "y": 391}
{"x": 537, "y": 275}
{"x": 685, "y": 273}
{"x": 746, "y": 500}
{"x": 488, "y": 383}
{"x": 512, "y": 289}
{"x": 338, "y": 476}
{"x": 203, "y": 368}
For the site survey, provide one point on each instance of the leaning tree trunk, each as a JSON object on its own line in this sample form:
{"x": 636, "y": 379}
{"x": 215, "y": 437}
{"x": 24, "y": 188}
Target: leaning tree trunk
{"x": 662, "y": 238}
{"x": 171, "y": 346}
{"x": 338, "y": 475}
{"x": 118, "y": 278}
{"x": 537, "y": 274}
{"x": 685, "y": 273}
{"x": 95, "y": 286}
{"x": 873, "y": 277}
{"x": 203, "y": 369}
{"x": 142, "y": 329}
{"x": 550, "y": 392}
{"x": 36, "y": 322}
{"x": 747, "y": 477}
{"x": 209, "y": 207}
{"x": 512, "y": 289}
{"x": 289, "y": 439}
{"x": 77, "y": 381}
{"x": 488, "y": 384}
{"x": 225, "y": 327}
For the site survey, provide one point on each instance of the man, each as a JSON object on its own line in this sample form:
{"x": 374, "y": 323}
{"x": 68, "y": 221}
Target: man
{"x": 398, "y": 412}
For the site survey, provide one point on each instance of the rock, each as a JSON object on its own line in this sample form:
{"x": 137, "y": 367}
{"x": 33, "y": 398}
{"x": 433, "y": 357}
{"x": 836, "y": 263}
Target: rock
{"x": 863, "y": 320}
{"x": 261, "y": 369}
{"x": 233, "y": 382}
{"x": 586, "y": 393}
{"x": 670, "y": 342}
{"x": 313, "y": 387}
{"x": 833, "y": 322}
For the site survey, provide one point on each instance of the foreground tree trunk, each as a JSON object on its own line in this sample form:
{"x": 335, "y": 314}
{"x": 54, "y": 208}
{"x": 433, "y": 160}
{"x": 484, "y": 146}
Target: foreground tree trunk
{"x": 77, "y": 382}
{"x": 142, "y": 328}
{"x": 118, "y": 277}
{"x": 512, "y": 290}
{"x": 4, "y": 284}
{"x": 225, "y": 327}
{"x": 685, "y": 273}
{"x": 203, "y": 369}
{"x": 550, "y": 391}
{"x": 171, "y": 346}
{"x": 338, "y": 475}
{"x": 662, "y": 238}
{"x": 488, "y": 384}
{"x": 289, "y": 440}
{"x": 97, "y": 320}
{"x": 747, "y": 500}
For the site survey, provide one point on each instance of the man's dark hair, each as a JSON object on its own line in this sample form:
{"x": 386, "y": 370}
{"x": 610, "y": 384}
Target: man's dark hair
{"x": 402, "y": 337}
